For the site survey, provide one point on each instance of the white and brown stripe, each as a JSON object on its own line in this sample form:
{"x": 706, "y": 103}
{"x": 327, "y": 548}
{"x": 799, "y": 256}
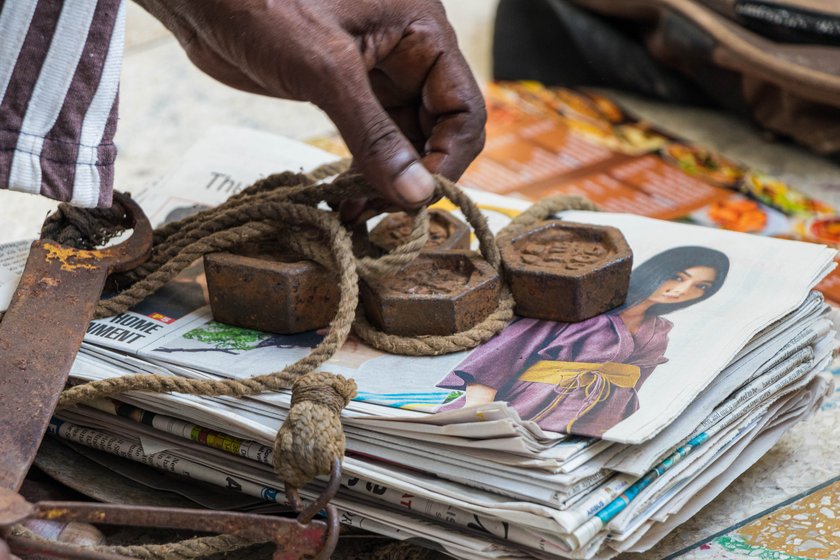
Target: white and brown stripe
{"x": 59, "y": 75}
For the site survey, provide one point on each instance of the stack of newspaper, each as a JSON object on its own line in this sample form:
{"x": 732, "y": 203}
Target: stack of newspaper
{"x": 551, "y": 440}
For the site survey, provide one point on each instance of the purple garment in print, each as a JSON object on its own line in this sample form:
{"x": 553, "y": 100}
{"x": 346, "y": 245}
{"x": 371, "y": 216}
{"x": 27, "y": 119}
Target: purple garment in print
{"x": 501, "y": 361}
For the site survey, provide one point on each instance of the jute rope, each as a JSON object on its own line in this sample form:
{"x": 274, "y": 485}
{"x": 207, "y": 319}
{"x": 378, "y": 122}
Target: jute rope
{"x": 188, "y": 549}
{"x": 276, "y": 208}
{"x": 281, "y": 208}
{"x": 543, "y": 210}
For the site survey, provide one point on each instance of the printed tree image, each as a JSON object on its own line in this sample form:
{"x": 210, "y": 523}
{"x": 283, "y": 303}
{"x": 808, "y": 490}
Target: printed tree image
{"x": 221, "y": 338}
{"x": 232, "y": 340}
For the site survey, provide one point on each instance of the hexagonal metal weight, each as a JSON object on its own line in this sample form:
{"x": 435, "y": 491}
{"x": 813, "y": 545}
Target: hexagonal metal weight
{"x": 564, "y": 271}
{"x": 440, "y": 293}
{"x": 446, "y": 232}
{"x": 282, "y": 294}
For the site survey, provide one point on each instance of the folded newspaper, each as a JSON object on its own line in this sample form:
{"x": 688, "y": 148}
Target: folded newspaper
{"x": 502, "y": 451}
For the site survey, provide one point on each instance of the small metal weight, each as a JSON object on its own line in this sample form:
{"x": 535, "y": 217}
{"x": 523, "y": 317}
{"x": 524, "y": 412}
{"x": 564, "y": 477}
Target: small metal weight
{"x": 440, "y": 293}
{"x": 564, "y": 271}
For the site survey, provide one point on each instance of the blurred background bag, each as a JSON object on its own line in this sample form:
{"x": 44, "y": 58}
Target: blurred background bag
{"x": 776, "y": 61}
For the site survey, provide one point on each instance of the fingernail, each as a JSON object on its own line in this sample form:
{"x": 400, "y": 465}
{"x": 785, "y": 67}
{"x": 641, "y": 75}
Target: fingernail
{"x": 415, "y": 185}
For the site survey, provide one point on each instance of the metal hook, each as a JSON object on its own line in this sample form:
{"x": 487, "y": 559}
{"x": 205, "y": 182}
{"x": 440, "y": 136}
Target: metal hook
{"x": 322, "y": 502}
{"x": 324, "y": 498}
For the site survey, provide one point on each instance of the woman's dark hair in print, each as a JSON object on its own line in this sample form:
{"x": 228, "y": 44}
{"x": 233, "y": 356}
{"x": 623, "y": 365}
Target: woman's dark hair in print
{"x": 649, "y": 275}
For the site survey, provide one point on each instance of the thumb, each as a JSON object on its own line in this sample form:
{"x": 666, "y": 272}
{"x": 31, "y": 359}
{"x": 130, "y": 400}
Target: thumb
{"x": 380, "y": 150}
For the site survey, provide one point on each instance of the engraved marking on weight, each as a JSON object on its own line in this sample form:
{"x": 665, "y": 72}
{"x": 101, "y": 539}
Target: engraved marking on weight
{"x": 564, "y": 250}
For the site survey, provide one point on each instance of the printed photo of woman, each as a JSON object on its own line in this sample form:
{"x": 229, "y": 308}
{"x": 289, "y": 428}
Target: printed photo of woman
{"x": 583, "y": 378}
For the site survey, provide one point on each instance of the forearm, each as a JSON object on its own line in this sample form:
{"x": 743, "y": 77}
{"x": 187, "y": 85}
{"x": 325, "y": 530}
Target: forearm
{"x": 169, "y": 14}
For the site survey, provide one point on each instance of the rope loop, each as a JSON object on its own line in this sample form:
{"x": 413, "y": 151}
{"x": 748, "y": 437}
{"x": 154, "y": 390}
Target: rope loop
{"x": 311, "y": 438}
{"x": 395, "y": 260}
{"x": 435, "y": 345}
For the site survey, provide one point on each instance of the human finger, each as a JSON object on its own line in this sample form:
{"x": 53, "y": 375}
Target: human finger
{"x": 381, "y": 151}
{"x": 456, "y": 108}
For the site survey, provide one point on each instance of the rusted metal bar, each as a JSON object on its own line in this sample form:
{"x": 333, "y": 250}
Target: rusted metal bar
{"x": 294, "y": 539}
{"x": 43, "y": 329}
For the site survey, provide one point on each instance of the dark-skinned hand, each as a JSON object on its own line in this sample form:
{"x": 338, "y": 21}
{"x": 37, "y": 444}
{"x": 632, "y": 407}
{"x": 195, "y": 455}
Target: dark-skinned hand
{"x": 387, "y": 72}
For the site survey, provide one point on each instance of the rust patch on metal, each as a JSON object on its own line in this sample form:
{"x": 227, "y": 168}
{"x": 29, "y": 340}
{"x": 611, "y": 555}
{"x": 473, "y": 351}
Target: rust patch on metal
{"x": 53, "y": 513}
{"x": 72, "y": 259}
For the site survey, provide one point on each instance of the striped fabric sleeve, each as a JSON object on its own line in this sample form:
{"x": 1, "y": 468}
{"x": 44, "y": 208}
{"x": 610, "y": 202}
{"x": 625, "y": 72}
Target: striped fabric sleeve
{"x": 59, "y": 77}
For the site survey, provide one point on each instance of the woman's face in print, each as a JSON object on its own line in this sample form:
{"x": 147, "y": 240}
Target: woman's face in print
{"x": 685, "y": 285}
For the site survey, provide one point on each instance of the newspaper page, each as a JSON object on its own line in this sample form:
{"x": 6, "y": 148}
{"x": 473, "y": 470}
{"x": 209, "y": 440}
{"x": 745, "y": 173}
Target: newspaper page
{"x": 12, "y": 260}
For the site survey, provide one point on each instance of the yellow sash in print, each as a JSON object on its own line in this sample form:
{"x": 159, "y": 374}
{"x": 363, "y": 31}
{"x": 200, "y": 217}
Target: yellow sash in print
{"x": 595, "y": 380}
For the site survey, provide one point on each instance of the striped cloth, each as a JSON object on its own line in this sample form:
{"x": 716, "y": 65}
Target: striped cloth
{"x": 59, "y": 77}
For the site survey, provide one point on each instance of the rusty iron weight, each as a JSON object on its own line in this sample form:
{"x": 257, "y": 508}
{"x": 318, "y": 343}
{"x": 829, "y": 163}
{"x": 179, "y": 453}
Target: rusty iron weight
{"x": 439, "y": 293}
{"x": 565, "y": 271}
{"x": 283, "y": 294}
